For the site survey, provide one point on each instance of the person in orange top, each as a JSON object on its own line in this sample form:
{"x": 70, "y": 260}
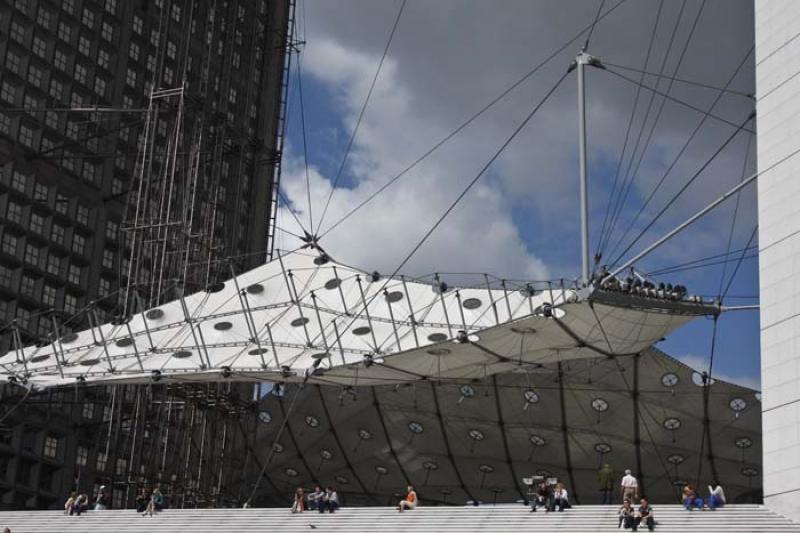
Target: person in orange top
{"x": 410, "y": 502}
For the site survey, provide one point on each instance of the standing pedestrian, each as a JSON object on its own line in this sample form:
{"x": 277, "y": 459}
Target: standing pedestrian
{"x": 630, "y": 487}
{"x": 605, "y": 478}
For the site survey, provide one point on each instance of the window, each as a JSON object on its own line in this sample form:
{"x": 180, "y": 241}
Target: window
{"x": 35, "y": 75}
{"x": 89, "y": 172}
{"x": 80, "y": 73}
{"x": 117, "y": 186}
{"x": 137, "y": 24}
{"x": 168, "y": 76}
{"x": 82, "y": 456}
{"x": 133, "y": 51}
{"x": 107, "y": 32}
{"x": 30, "y": 103}
{"x": 19, "y": 181}
{"x": 82, "y": 215}
{"x": 12, "y": 62}
{"x": 17, "y": 32}
{"x": 237, "y": 60}
{"x": 9, "y": 244}
{"x": 171, "y": 49}
{"x": 78, "y": 244}
{"x": 176, "y": 12}
{"x": 151, "y": 63}
{"x": 56, "y": 89}
{"x": 27, "y": 286}
{"x": 32, "y": 254}
{"x": 43, "y": 18}
{"x": 102, "y": 461}
{"x": 84, "y": 45}
{"x": 112, "y": 228}
{"x": 53, "y": 265}
{"x": 232, "y": 96}
{"x": 60, "y": 61}
{"x": 23, "y": 317}
{"x": 88, "y": 18}
{"x": 8, "y": 92}
{"x": 64, "y": 31}
{"x": 100, "y": 87}
{"x": 6, "y": 276}
{"x": 74, "y": 274}
{"x": 57, "y": 234}
{"x": 50, "y": 447}
{"x": 26, "y": 137}
{"x": 154, "y": 38}
{"x": 103, "y": 58}
{"x": 70, "y": 304}
{"x": 108, "y": 259}
{"x": 73, "y": 130}
{"x": 51, "y": 119}
{"x": 88, "y": 410}
{"x": 68, "y": 6}
{"x": 104, "y": 288}
{"x": 130, "y": 77}
{"x": 5, "y": 124}
{"x": 14, "y": 212}
{"x": 49, "y": 295}
{"x": 37, "y": 223}
{"x": 62, "y": 204}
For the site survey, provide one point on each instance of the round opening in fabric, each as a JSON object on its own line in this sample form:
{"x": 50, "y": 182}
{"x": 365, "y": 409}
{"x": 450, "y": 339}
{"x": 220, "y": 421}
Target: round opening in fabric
{"x": 437, "y": 337}
{"x": 467, "y": 391}
{"x": 68, "y": 338}
{"x": 223, "y": 326}
{"x": 255, "y": 288}
{"x": 476, "y": 434}
{"x": 669, "y": 379}
{"x": 333, "y": 283}
{"x": 277, "y": 447}
{"x": 297, "y": 322}
{"x": 531, "y": 396}
{"x": 471, "y": 303}
{"x": 415, "y": 427}
{"x": 394, "y": 296}
{"x": 672, "y": 423}
{"x": 265, "y": 417}
{"x": 216, "y": 287}
{"x": 89, "y": 362}
{"x": 430, "y": 465}
{"x": 326, "y": 454}
{"x": 602, "y": 447}
{"x": 750, "y": 471}
{"x": 40, "y": 358}
{"x": 743, "y": 442}
{"x": 341, "y": 480}
{"x": 182, "y": 354}
{"x": 438, "y": 351}
{"x": 486, "y": 469}
{"x": 154, "y": 314}
{"x": 599, "y": 405}
{"x": 257, "y": 351}
{"x": 312, "y": 421}
{"x": 738, "y": 405}
{"x": 362, "y": 330}
{"x": 124, "y": 343}
{"x": 536, "y": 440}
{"x": 675, "y": 459}
{"x": 363, "y": 434}
{"x": 381, "y": 470}
{"x": 291, "y": 472}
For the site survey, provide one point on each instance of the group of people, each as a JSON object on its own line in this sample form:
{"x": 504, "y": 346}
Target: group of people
{"x": 146, "y": 503}
{"x": 319, "y": 500}
{"x": 149, "y": 504}
{"x": 692, "y": 500}
{"x": 632, "y": 518}
{"x": 550, "y": 497}
{"x": 78, "y": 503}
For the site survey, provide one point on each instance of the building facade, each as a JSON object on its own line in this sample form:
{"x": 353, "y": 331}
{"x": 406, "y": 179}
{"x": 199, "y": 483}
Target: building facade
{"x": 777, "y": 86}
{"x": 138, "y": 145}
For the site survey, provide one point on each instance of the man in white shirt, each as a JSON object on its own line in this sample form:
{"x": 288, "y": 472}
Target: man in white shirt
{"x": 630, "y": 487}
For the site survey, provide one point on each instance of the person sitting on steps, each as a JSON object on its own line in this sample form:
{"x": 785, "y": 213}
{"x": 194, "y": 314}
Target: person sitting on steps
{"x": 626, "y": 515}
{"x": 560, "y": 498}
{"x": 410, "y": 501}
{"x": 644, "y": 514}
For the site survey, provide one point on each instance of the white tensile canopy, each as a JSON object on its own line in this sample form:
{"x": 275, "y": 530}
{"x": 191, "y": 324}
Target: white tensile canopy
{"x": 305, "y": 316}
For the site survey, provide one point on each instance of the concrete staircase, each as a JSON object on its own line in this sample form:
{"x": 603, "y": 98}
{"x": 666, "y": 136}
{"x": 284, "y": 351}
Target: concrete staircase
{"x": 489, "y": 518}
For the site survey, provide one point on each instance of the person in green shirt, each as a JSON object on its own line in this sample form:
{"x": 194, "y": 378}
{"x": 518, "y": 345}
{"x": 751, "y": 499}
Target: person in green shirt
{"x": 605, "y": 478}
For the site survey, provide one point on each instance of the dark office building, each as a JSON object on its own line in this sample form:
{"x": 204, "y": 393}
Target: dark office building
{"x": 139, "y": 141}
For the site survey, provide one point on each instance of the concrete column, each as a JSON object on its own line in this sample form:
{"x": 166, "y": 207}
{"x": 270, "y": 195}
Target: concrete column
{"x": 777, "y": 24}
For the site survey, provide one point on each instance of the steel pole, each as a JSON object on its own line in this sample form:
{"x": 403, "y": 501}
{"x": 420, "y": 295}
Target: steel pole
{"x": 580, "y": 61}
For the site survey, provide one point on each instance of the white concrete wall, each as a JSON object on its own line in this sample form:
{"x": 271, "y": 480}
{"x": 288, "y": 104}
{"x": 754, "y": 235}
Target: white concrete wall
{"x": 777, "y": 33}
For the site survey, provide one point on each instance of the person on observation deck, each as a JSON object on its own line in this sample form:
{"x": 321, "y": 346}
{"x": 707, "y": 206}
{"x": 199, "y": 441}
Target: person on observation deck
{"x": 690, "y": 498}
{"x": 409, "y": 502}
{"x": 299, "y": 504}
{"x": 627, "y": 515}
{"x": 716, "y": 496}
{"x": 315, "y": 499}
{"x": 543, "y": 497}
{"x": 560, "y": 498}
{"x": 605, "y": 478}
{"x": 630, "y": 486}
{"x": 644, "y": 514}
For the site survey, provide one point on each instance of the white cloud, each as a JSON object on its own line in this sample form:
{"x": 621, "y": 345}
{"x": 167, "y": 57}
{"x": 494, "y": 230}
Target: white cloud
{"x": 700, "y": 363}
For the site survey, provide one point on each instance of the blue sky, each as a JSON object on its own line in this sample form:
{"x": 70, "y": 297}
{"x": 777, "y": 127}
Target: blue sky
{"x": 450, "y": 58}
